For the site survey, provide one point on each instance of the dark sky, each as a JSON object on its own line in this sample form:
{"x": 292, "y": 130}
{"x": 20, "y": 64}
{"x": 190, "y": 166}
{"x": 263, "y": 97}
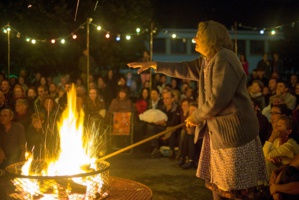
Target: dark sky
{"x": 255, "y": 13}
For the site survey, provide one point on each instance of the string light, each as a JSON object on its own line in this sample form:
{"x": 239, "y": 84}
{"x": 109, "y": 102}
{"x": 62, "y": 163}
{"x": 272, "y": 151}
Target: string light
{"x": 128, "y": 37}
{"x": 107, "y": 35}
{"x": 99, "y": 28}
{"x": 273, "y": 32}
{"x": 74, "y": 36}
{"x": 33, "y": 41}
{"x": 262, "y": 31}
{"x": 118, "y": 37}
{"x": 137, "y": 31}
{"x": 173, "y": 35}
{"x": 53, "y": 41}
{"x": 62, "y": 41}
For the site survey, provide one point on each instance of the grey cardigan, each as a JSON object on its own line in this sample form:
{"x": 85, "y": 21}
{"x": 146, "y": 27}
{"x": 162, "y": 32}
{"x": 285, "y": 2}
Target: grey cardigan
{"x": 224, "y": 102}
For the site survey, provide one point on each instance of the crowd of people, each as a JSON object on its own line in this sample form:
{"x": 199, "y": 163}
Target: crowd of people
{"x": 31, "y": 105}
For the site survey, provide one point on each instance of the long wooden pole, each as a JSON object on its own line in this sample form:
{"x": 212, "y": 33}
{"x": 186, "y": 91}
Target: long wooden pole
{"x": 141, "y": 142}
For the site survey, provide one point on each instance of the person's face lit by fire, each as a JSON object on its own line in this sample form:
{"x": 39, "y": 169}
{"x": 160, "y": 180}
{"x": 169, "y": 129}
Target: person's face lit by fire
{"x": 93, "y": 94}
{"x": 37, "y": 123}
{"x": 122, "y": 95}
{"x": 168, "y": 99}
{"x": 49, "y": 105}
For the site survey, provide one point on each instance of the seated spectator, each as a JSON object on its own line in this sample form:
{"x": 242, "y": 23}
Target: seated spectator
{"x": 284, "y": 182}
{"x": 264, "y": 124}
{"x": 189, "y": 154}
{"x": 36, "y": 136}
{"x": 188, "y": 94}
{"x": 173, "y": 114}
{"x": 12, "y": 139}
{"x": 121, "y": 104}
{"x": 2, "y": 101}
{"x": 22, "y": 83}
{"x": 274, "y": 101}
{"x": 256, "y": 94}
{"x": 142, "y": 102}
{"x": 22, "y": 113}
{"x": 42, "y": 93}
{"x": 280, "y": 148}
{"x": 283, "y": 90}
{"x": 155, "y": 102}
{"x": 53, "y": 91}
{"x": 95, "y": 105}
{"x": 184, "y": 113}
{"x": 31, "y": 97}
{"x": 51, "y": 112}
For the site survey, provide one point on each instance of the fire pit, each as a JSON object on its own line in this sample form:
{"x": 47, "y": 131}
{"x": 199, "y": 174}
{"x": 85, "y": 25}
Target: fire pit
{"x": 91, "y": 185}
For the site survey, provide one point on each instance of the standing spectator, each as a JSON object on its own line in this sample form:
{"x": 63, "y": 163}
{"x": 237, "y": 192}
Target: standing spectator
{"x": 244, "y": 63}
{"x": 277, "y": 64}
{"x": 36, "y": 81}
{"x": 105, "y": 92}
{"x": 82, "y": 65}
{"x": 265, "y": 65}
{"x": 293, "y": 83}
{"x": 132, "y": 85}
{"x": 12, "y": 139}
{"x": 145, "y": 76}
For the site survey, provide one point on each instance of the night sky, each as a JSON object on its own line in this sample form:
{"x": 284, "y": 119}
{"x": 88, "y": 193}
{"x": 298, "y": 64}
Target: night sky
{"x": 254, "y": 13}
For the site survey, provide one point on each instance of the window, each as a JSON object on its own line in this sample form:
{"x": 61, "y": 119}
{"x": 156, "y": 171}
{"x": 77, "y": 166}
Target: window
{"x": 159, "y": 45}
{"x": 178, "y": 46}
{"x": 241, "y": 46}
{"x": 257, "y": 47}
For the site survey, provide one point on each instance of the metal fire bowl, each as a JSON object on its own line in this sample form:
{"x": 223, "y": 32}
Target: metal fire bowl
{"x": 90, "y": 185}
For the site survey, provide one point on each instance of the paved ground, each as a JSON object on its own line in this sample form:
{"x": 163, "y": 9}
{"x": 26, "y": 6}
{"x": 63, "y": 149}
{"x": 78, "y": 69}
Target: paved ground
{"x": 166, "y": 180}
{"x": 161, "y": 175}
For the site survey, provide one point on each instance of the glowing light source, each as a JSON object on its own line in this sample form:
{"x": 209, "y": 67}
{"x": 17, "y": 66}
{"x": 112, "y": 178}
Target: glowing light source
{"x": 62, "y": 41}
{"x": 262, "y": 32}
{"x": 99, "y": 28}
{"x": 273, "y": 32}
{"x": 53, "y": 41}
{"x": 74, "y": 36}
{"x": 173, "y": 35}
{"x": 4, "y": 31}
{"x": 18, "y": 35}
{"x": 137, "y": 31}
{"x": 33, "y": 41}
{"x": 118, "y": 37}
{"x": 27, "y": 39}
{"x": 128, "y": 37}
{"x": 8, "y": 29}
{"x": 107, "y": 35}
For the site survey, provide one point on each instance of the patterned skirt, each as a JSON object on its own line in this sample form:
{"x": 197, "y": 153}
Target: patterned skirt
{"x": 233, "y": 172}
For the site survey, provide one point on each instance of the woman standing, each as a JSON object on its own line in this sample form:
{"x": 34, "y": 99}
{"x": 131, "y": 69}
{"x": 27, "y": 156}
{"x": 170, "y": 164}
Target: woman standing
{"x": 231, "y": 160}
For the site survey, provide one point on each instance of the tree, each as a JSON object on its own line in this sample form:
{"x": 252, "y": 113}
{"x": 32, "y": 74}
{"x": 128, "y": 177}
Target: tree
{"x": 44, "y": 20}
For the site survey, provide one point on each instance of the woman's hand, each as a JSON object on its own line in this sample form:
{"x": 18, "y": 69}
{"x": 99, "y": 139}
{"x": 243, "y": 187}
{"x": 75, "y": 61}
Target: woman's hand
{"x": 142, "y": 65}
{"x": 190, "y": 122}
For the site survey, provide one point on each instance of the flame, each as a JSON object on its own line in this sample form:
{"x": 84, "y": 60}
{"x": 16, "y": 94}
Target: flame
{"x": 75, "y": 156}
{"x": 73, "y": 150}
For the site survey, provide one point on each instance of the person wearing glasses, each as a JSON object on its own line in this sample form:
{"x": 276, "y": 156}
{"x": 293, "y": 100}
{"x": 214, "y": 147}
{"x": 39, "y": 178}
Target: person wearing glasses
{"x": 225, "y": 117}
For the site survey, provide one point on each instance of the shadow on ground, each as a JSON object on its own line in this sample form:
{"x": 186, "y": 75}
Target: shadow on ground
{"x": 161, "y": 175}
